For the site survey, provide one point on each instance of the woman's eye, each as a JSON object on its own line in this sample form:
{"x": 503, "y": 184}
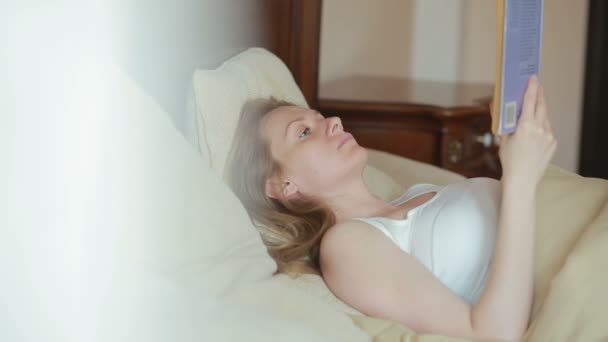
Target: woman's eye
{"x": 305, "y": 132}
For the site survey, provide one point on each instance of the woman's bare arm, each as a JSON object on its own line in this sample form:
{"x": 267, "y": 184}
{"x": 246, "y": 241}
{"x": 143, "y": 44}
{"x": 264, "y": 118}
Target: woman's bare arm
{"x": 504, "y": 307}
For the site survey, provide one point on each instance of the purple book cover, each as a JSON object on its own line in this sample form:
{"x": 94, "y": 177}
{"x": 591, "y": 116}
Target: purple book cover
{"x": 521, "y": 57}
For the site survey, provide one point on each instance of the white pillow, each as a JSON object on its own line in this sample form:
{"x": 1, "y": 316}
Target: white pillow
{"x": 161, "y": 231}
{"x": 220, "y": 94}
{"x": 143, "y": 241}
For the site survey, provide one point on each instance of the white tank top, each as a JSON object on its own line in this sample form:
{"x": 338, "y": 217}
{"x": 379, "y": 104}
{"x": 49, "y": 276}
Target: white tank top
{"x": 452, "y": 234}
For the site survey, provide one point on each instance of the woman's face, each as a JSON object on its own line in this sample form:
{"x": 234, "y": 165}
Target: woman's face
{"x": 316, "y": 156}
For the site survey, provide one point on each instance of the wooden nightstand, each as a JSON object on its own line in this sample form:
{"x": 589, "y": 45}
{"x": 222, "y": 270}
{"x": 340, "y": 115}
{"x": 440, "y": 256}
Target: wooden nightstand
{"x": 445, "y": 124}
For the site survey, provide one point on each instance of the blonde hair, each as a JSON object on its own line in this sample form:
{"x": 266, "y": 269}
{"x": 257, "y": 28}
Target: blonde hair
{"x": 291, "y": 229}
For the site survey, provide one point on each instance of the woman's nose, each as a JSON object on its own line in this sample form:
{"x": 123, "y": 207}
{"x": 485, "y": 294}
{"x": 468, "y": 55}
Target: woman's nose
{"x": 334, "y": 125}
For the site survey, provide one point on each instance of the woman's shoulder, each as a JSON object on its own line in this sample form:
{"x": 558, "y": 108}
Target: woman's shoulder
{"x": 341, "y": 240}
{"x": 345, "y": 235}
{"x": 349, "y": 240}
{"x": 346, "y": 229}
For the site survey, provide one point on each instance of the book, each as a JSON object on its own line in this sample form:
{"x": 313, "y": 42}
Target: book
{"x": 518, "y": 56}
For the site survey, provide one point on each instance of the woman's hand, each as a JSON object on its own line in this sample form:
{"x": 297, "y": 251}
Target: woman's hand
{"x": 526, "y": 153}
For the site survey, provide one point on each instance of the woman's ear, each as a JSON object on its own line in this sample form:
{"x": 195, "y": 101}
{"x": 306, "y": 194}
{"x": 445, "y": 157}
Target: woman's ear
{"x": 289, "y": 189}
{"x": 272, "y": 189}
{"x": 275, "y": 189}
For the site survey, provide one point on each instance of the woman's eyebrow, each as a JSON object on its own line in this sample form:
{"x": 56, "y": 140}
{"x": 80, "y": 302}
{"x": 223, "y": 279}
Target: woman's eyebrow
{"x": 289, "y": 124}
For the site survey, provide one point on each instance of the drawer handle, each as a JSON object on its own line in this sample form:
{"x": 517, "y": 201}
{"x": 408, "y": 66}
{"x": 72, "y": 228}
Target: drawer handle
{"x": 487, "y": 139}
{"x": 455, "y": 151}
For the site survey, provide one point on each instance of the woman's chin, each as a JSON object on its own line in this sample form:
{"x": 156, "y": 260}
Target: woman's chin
{"x": 362, "y": 151}
{"x": 359, "y": 157}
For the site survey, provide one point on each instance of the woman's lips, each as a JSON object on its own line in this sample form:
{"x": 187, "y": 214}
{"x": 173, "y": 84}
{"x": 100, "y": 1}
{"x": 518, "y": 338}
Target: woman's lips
{"x": 346, "y": 138}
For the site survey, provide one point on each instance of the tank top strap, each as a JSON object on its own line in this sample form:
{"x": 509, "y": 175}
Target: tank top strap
{"x": 397, "y": 231}
{"x": 376, "y": 222}
{"x": 416, "y": 190}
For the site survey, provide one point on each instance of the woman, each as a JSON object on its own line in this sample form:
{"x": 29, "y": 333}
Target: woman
{"x": 299, "y": 175}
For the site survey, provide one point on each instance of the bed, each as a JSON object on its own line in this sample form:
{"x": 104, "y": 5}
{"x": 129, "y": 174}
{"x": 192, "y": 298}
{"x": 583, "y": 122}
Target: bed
{"x": 572, "y": 221}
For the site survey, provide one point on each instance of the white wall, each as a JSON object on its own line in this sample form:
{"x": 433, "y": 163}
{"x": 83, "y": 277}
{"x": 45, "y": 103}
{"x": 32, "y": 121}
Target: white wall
{"x": 453, "y": 41}
{"x": 366, "y": 37}
{"x": 478, "y": 49}
{"x": 161, "y": 42}
{"x": 437, "y": 40}
{"x": 389, "y": 38}
{"x": 563, "y": 69}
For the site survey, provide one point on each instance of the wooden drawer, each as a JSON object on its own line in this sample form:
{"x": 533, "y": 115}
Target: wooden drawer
{"x": 468, "y": 148}
{"x": 413, "y": 135}
{"x": 419, "y": 145}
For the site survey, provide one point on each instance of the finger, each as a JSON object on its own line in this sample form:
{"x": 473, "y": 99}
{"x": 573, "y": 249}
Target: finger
{"x": 529, "y": 105}
{"x": 542, "y": 115}
{"x": 543, "y": 111}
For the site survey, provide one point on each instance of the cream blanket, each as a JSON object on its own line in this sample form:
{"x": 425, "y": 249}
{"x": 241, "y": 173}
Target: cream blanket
{"x": 571, "y": 282}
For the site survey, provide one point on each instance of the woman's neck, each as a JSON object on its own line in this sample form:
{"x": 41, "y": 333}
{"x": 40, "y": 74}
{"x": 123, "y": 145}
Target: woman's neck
{"x": 357, "y": 201}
